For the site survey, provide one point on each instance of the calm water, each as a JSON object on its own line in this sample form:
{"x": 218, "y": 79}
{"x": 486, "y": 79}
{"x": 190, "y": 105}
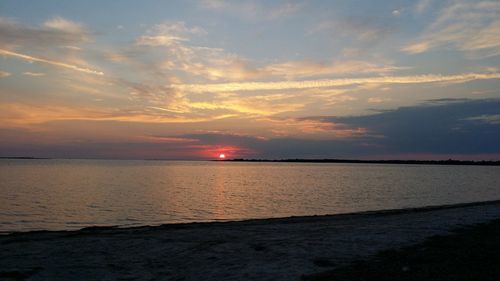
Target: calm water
{"x": 71, "y": 194}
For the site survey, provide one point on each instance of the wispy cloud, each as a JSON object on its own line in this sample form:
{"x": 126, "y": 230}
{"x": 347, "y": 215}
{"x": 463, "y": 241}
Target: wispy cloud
{"x": 296, "y": 69}
{"x": 489, "y": 119}
{"x": 313, "y": 128}
{"x": 422, "y": 6}
{"x": 33, "y": 74}
{"x": 167, "y": 139}
{"x": 378, "y": 100}
{"x": 463, "y": 25}
{"x": 327, "y": 83}
{"x": 364, "y": 30}
{"x": 24, "y": 115}
{"x": 4, "y": 74}
{"x": 54, "y": 32}
{"x": 51, "y": 62}
{"x": 65, "y": 25}
{"x": 168, "y": 33}
{"x": 253, "y": 10}
{"x": 172, "y": 42}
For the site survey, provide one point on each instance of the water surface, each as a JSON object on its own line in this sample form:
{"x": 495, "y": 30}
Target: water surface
{"x": 71, "y": 194}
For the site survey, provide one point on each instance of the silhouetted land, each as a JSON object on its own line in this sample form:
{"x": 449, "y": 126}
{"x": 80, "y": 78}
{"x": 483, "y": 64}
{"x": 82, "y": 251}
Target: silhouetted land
{"x": 472, "y": 253}
{"x": 419, "y": 162}
{"x": 22, "y": 157}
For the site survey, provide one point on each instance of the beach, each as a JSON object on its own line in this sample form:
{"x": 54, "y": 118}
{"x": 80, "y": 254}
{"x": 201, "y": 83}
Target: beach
{"x": 468, "y": 253}
{"x": 268, "y": 249}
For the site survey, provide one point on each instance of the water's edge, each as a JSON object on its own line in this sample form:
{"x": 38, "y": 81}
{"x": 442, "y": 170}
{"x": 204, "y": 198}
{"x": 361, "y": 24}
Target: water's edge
{"x": 260, "y": 221}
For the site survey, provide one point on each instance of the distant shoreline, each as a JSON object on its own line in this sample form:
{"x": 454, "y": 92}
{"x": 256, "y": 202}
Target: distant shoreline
{"x": 23, "y": 158}
{"x": 351, "y": 161}
{"x": 345, "y": 161}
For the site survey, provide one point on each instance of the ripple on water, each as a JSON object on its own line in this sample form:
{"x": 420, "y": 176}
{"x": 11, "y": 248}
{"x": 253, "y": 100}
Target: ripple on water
{"x": 72, "y": 194}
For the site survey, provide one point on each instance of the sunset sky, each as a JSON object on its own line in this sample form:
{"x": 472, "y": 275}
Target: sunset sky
{"x": 250, "y": 79}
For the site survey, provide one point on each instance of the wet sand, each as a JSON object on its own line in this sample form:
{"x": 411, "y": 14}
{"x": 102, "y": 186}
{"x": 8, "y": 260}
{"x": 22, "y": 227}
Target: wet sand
{"x": 272, "y": 249}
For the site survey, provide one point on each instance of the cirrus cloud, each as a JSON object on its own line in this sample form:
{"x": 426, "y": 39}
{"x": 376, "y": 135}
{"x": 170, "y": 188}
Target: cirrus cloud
{"x": 328, "y": 83}
{"x": 50, "y": 62}
{"x": 471, "y": 26}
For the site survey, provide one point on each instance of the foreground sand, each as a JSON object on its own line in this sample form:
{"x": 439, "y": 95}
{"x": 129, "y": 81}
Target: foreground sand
{"x": 274, "y": 249}
{"x": 469, "y": 253}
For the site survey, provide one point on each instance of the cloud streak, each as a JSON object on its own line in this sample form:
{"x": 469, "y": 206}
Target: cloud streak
{"x": 51, "y": 62}
{"x": 330, "y": 83}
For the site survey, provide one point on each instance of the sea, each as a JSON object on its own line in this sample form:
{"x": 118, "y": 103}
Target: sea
{"x": 73, "y": 194}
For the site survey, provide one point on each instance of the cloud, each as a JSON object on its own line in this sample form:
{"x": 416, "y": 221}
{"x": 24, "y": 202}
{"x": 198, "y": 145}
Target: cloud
{"x": 295, "y": 69}
{"x": 468, "y": 26}
{"x": 24, "y": 115}
{"x": 489, "y": 119}
{"x": 34, "y": 74}
{"x": 172, "y": 42}
{"x": 54, "y": 32}
{"x": 171, "y": 139}
{"x": 65, "y": 25}
{"x": 367, "y": 31}
{"x": 56, "y": 42}
{"x": 168, "y": 34}
{"x": 158, "y": 40}
{"x": 253, "y": 10}
{"x": 442, "y": 127}
{"x": 50, "y": 62}
{"x": 4, "y": 74}
{"x": 255, "y": 105}
{"x": 216, "y": 64}
{"x": 431, "y": 130}
{"x": 313, "y": 128}
{"x": 328, "y": 83}
{"x": 378, "y": 100}
{"x": 437, "y": 129}
{"x": 422, "y": 6}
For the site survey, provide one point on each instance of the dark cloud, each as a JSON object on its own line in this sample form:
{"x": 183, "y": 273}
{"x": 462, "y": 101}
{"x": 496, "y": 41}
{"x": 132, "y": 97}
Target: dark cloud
{"x": 438, "y": 126}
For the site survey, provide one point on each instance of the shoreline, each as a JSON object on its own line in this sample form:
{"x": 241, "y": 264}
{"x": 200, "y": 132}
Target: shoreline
{"x": 443, "y": 162}
{"x": 289, "y": 219}
{"x": 262, "y": 249}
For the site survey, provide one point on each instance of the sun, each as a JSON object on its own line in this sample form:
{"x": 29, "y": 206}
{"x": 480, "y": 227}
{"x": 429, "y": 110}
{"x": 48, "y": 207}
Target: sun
{"x": 222, "y": 156}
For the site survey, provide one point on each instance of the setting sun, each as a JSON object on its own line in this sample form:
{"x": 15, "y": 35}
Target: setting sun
{"x": 222, "y": 156}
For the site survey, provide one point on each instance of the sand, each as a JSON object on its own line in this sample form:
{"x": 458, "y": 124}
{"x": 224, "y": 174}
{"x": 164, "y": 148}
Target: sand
{"x": 272, "y": 249}
{"x": 469, "y": 253}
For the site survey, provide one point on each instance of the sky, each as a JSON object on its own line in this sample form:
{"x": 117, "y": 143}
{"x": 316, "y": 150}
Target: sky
{"x": 388, "y": 79}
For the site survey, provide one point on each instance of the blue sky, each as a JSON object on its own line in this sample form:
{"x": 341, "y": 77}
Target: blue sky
{"x": 253, "y": 79}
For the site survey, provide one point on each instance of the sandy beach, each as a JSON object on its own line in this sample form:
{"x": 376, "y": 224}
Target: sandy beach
{"x": 272, "y": 249}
